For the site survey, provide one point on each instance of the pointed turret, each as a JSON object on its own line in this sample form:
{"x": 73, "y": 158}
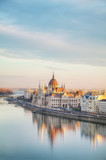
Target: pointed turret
{"x": 39, "y": 85}
{"x": 64, "y": 85}
{"x": 53, "y": 75}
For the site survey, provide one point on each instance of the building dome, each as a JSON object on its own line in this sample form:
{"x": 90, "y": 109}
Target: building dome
{"x": 53, "y": 82}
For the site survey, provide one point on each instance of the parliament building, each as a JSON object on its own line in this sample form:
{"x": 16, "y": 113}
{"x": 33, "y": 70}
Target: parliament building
{"x": 55, "y": 96}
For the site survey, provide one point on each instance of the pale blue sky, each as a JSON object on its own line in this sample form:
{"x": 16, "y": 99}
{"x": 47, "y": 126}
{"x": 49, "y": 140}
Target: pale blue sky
{"x": 67, "y": 37}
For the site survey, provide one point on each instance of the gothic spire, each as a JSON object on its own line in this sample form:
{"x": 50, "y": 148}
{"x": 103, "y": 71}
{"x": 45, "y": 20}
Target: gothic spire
{"x": 53, "y": 75}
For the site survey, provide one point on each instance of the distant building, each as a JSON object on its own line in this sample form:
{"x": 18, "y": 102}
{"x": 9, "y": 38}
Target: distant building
{"x": 89, "y": 104}
{"x": 28, "y": 94}
{"x": 55, "y": 96}
{"x": 102, "y": 106}
{"x": 94, "y": 104}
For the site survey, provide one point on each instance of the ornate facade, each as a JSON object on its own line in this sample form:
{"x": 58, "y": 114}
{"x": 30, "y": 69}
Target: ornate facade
{"x": 55, "y": 96}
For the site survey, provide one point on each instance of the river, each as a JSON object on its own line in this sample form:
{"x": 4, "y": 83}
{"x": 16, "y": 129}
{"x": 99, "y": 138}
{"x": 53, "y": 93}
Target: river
{"x": 28, "y": 136}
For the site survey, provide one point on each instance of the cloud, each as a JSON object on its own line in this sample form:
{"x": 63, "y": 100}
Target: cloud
{"x": 44, "y": 38}
{"x": 12, "y": 76}
{"x": 47, "y": 46}
{"x": 54, "y": 31}
{"x": 15, "y": 81}
{"x": 56, "y": 68}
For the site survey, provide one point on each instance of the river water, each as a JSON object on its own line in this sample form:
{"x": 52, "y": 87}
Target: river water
{"x": 28, "y": 136}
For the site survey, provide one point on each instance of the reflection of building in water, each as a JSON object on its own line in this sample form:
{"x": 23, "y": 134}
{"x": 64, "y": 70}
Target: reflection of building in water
{"x": 58, "y": 126}
{"x": 54, "y": 125}
{"x": 96, "y": 133}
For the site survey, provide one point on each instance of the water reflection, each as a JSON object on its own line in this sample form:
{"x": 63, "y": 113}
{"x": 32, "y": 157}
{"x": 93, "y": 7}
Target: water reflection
{"x": 96, "y": 133}
{"x": 55, "y": 126}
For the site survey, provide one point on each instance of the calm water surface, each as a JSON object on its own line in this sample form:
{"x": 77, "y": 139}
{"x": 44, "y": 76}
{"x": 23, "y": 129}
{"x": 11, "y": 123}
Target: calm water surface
{"x": 28, "y": 136}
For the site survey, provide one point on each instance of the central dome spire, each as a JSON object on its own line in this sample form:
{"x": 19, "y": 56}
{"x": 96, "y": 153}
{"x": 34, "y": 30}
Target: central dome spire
{"x": 53, "y": 75}
{"x": 53, "y": 83}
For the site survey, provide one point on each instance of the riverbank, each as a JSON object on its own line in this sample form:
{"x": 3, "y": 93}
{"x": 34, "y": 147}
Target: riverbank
{"x": 6, "y": 95}
{"x": 81, "y": 116}
{"x": 75, "y": 117}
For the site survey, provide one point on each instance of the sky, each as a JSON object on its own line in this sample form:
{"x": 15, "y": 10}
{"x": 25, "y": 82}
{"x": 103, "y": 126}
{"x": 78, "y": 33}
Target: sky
{"x": 67, "y": 37}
